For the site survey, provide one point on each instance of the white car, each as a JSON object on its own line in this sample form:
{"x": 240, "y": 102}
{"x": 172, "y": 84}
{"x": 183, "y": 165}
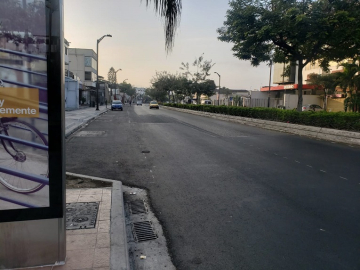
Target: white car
{"x": 139, "y": 102}
{"x": 312, "y": 107}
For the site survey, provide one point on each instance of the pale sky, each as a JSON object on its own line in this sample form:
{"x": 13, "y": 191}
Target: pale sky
{"x": 138, "y": 42}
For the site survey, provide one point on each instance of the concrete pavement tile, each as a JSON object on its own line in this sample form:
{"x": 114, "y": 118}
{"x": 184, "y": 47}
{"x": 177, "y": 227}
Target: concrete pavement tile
{"x": 103, "y": 240}
{"x": 72, "y": 192}
{"x": 90, "y": 198}
{"x": 72, "y": 198}
{"x": 91, "y": 191}
{"x": 104, "y": 226}
{"x": 78, "y": 259}
{"x": 102, "y": 257}
{"x": 104, "y": 214}
{"x": 82, "y": 231}
{"x": 107, "y": 190}
{"x": 80, "y": 241}
{"x": 105, "y": 205}
{"x": 106, "y": 198}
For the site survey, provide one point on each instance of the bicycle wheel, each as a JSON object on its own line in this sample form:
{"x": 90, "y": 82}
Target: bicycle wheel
{"x": 22, "y": 157}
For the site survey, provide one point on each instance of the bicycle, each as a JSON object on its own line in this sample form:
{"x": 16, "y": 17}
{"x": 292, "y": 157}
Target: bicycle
{"x": 22, "y": 155}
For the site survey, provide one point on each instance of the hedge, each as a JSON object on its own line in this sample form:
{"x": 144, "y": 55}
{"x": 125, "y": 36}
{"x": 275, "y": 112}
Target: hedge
{"x": 336, "y": 120}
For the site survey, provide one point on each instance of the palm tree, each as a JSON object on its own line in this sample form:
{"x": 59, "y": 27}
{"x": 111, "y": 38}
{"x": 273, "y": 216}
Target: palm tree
{"x": 350, "y": 83}
{"x": 170, "y": 10}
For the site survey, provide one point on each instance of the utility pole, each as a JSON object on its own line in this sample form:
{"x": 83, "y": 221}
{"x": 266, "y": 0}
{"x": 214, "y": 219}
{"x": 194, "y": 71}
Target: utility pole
{"x": 97, "y": 70}
{"x": 219, "y": 88}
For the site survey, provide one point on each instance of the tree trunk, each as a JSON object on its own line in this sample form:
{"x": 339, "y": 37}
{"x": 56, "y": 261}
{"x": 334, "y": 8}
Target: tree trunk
{"x": 300, "y": 86}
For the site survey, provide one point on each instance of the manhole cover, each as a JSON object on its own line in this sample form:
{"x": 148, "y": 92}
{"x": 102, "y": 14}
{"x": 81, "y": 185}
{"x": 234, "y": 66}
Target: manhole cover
{"x": 81, "y": 215}
{"x": 90, "y": 134}
{"x": 145, "y": 151}
{"x": 137, "y": 207}
{"x": 143, "y": 231}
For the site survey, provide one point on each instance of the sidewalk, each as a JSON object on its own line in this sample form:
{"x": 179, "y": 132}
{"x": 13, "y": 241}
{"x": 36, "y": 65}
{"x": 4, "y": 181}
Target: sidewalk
{"x": 75, "y": 119}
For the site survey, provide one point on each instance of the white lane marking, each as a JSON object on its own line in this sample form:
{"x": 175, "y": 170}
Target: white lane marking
{"x": 129, "y": 121}
{"x": 297, "y": 161}
{"x": 322, "y": 230}
{"x": 343, "y": 178}
{"x": 309, "y": 166}
{"x": 151, "y": 171}
{"x": 153, "y": 177}
{"x": 275, "y": 154}
{"x": 323, "y": 171}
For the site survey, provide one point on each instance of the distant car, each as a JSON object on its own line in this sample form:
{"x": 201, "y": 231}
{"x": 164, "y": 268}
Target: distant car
{"x": 154, "y": 104}
{"x": 116, "y": 105}
{"x": 311, "y": 107}
{"x": 139, "y": 102}
{"x": 282, "y": 107}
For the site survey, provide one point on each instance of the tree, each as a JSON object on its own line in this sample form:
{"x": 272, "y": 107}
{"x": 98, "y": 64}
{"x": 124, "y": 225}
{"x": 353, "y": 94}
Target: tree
{"x": 170, "y": 10}
{"x": 325, "y": 82}
{"x": 198, "y": 76}
{"x": 156, "y": 94}
{"x": 292, "y": 31}
{"x": 349, "y": 81}
{"x": 166, "y": 82}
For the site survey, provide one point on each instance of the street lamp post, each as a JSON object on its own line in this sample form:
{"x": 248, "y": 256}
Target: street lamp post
{"x": 269, "y": 84}
{"x": 219, "y": 88}
{"x": 97, "y": 70}
{"x": 115, "y": 82}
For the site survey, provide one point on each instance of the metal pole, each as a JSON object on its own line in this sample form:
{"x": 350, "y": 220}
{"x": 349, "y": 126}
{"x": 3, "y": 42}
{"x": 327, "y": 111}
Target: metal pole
{"x": 97, "y": 76}
{"x": 219, "y": 88}
{"x": 269, "y": 84}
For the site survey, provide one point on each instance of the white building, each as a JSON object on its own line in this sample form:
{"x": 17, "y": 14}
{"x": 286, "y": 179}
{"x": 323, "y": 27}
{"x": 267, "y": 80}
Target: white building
{"x": 82, "y": 63}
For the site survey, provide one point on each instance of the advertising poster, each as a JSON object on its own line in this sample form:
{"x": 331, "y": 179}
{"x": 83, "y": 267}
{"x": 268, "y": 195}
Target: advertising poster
{"x": 24, "y": 155}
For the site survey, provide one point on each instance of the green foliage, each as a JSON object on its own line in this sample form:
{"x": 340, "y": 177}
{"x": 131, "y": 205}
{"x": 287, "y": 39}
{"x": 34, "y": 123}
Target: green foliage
{"x": 293, "y": 31}
{"x": 112, "y": 77}
{"x": 352, "y": 103}
{"x": 335, "y": 120}
{"x": 156, "y": 94}
{"x": 199, "y": 84}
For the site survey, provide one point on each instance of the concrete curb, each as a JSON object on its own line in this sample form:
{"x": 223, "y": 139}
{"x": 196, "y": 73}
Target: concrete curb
{"x": 328, "y": 134}
{"x": 82, "y": 124}
{"x": 119, "y": 255}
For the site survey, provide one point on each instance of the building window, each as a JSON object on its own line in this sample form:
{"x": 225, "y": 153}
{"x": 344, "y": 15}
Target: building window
{"x": 87, "y": 75}
{"x": 90, "y": 62}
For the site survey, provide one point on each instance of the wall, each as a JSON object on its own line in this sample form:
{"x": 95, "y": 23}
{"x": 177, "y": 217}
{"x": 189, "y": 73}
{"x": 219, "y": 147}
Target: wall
{"x": 71, "y": 94}
{"x": 335, "y": 105}
{"x": 290, "y": 100}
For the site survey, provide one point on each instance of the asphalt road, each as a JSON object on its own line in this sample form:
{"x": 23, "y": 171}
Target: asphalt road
{"x": 231, "y": 196}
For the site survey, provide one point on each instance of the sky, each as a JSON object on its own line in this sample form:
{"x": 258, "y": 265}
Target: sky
{"x": 137, "y": 45}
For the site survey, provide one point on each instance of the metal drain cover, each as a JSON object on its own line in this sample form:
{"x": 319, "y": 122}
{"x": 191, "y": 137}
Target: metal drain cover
{"x": 81, "y": 215}
{"x": 143, "y": 231}
{"x": 90, "y": 133}
{"x": 137, "y": 207}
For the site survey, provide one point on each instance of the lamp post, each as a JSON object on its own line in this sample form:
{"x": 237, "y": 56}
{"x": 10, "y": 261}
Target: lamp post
{"x": 269, "y": 84}
{"x": 219, "y": 88}
{"x": 115, "y": 81}
{"x": 97, "y": 70}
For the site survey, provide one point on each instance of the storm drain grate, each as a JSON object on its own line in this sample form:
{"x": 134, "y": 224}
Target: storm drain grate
{"x": 143, "y": 231}
{"x": 81, "y": 215}
{"x": 137, "y": 207}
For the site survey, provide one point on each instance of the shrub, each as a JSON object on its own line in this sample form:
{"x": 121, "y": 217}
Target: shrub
{"x": 336, "y": 120}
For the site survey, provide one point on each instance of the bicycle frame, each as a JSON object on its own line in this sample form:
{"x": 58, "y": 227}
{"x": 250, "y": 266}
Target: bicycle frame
{"x": 6, "y": 140}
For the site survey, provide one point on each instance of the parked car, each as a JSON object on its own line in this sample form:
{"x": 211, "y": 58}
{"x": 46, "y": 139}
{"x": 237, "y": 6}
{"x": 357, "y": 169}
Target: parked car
{"x": 282, "y": 107}
{"x": 311, "y": 107}
{"x": 116, "y": 105}
{"x": 154, "y": 104}
{"x": 139, "y": 102}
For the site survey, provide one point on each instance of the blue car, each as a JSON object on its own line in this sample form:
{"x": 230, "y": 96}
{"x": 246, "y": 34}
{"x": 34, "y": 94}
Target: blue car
{"x": 116, "y": 105}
